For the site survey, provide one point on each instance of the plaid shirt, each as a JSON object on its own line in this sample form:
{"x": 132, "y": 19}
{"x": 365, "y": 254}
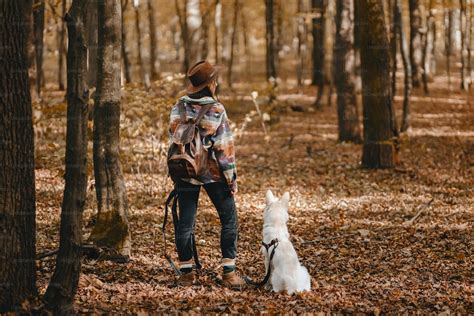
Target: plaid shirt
{"x": 216, "y": 134}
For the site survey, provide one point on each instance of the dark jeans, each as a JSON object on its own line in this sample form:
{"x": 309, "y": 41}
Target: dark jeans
{"x": 188, "y": 196}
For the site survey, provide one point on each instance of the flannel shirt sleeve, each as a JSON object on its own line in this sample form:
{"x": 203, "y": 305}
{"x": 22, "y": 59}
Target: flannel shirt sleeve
{"x": 174, "y": 118}
{"x": 170, "y": 132}
{"x": 223, "y": 144}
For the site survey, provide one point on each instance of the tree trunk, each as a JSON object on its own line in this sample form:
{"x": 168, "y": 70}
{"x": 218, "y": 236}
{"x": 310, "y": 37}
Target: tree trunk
{"x": 329, "y": 33}
{"x": 415, "y": 41}
{"x": 344, "y": 75}
{"x": 356, "y": 26}
{"x": 91, "y": 42}
{"x": 17, "y": 165}
{"x": 278, "y": 11}
{"x": 206, "y": 26}
{"x": 300, "y": 34}
{"x": 62, "y": 288}
{"x": 183, "y": 22}
{"x": 406, "y": 65}
{"x": 126, "y": 59}
{"x": 393, "y": 47}
{"x": 358, "y": 84}
{"x": 232, "y": 45}
{"x": 217, "y": 28}
{"x": 154, "y": 62}
{"x": 111, "y": 229}
{"x": 380, "y": 130}
{"x": 143, "y": 72}
{"x": 194, "y": 17}
{"x": 469, "y": 44}
{"x": 30, "y": 47}
{"x": 429, "y": 57}
{"x": 62, "y": 47}
{"x": 38, "y": 22}
{"x": 463, "y": 24}
{"x": 448, "y": 26}
{"x": 247, "y": 52}
{"x": 270, "y": 40}
{"x": 319, "y": 9}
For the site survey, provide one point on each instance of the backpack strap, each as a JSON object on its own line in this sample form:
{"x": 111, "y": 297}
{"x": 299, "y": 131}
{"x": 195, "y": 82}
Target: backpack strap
{"x": 182, "y": 111}
{"x": 173, "y": 200}
{"x": 202, "y": 112}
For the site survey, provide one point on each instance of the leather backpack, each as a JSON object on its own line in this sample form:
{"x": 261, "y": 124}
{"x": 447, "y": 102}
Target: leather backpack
{"x": 187, "y": 156}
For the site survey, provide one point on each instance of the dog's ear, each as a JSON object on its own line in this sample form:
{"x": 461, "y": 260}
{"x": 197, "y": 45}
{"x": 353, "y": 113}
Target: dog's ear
{"x": 270, "y": 197}
{"x": 285, "y": 199}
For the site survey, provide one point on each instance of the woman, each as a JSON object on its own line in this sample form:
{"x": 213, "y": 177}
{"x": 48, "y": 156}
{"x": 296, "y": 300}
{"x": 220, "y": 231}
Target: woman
{"x": 219, "y": 181}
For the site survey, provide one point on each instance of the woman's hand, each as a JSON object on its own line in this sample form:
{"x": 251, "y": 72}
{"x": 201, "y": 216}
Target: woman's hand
{"x": 233, "y": 188}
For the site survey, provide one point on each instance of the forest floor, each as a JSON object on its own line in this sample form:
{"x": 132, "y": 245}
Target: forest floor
{"x": 374, "y": 241}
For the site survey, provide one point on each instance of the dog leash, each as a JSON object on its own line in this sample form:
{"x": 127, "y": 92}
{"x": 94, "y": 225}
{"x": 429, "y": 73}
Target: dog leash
{"x": 173, "y": 198}
{"x": 249, "y": 281}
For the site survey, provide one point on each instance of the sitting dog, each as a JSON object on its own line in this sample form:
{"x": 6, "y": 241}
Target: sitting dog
{"x": 287, "y": 274}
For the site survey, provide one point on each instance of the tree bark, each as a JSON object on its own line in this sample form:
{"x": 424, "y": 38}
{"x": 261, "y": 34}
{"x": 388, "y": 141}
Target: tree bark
{"x": 463, "y": 27}
{"x": 206, "y": 26}
{"x": 233, "y": 40}
{"x": 357, "y": 49}
{"x": 319, "y": 10}
{"x": 448, "y": 26}
{"x": 30, "y": 47}
{"x": 278, "y": 12}
{"x": 62, "y": 47}
{"x": 217, "y": 28}
{"x": 356, "y": 26}
{"x": 111, "y": 229}
{"x": 38, "y": 22}
{"x": 393, "y": 49}
{"x": 62, "y": 288}
{"x": 300, "y": 35}
{"x": 406, "y": 65}
{"x": 183, "y": 22}
{"x": 17, "y": 165}
{"x": 194, "y": 18}
{"x": 344, "y": 75}
{"x": 247, "y": 52}
{"x": 143, "y": 72}
{"x": 429, "y": 57}
{"x": 469, "y": 44}
{"x": 415, "y": 41}
{"x": 91, "y": 42}
{"x": 270, "y": 40}
{"x": 329, "y": 32}
{"x": 380, "y": 130}
{"x": 126, "y": 59}
{"x": 154, "y": 62}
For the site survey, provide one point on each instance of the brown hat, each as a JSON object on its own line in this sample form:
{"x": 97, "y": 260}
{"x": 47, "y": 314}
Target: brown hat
{"x": 200, "y": 76}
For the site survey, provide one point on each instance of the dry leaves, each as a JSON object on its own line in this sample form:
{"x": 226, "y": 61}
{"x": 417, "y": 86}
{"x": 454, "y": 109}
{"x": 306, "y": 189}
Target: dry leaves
{"x": 348, "y": 224}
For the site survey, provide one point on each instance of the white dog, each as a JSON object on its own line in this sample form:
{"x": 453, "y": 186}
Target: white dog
{"x": 287, "y": 274}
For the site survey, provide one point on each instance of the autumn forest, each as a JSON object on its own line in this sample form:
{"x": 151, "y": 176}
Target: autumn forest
{"x": 115, "y": 114}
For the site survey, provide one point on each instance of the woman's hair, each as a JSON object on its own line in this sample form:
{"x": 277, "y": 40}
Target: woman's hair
{"x": 206, "y": 92}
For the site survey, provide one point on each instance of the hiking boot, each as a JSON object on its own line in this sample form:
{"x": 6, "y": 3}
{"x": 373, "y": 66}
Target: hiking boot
{"x": 233, "y": 281}
{"x": 186, "y": 279}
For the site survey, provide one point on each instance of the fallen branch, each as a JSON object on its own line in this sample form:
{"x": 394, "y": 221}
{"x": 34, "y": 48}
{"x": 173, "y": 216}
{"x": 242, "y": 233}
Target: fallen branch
{"x": 422, "y": 209}
{"x": 46, "y": 254}
{"x": 91, "y": 251}
{"x": 86, "y": 249}
{"x": 254, "y": 99}
{"x": 248, "y": 118}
